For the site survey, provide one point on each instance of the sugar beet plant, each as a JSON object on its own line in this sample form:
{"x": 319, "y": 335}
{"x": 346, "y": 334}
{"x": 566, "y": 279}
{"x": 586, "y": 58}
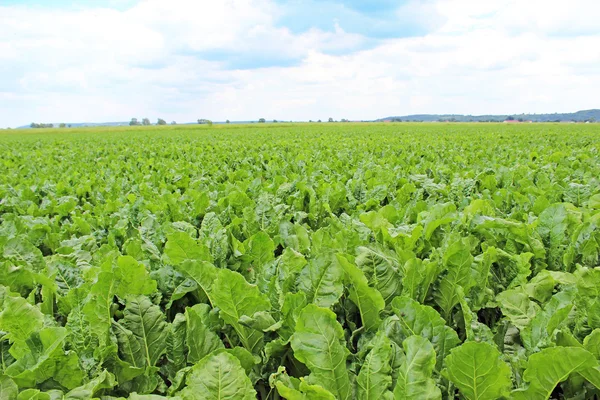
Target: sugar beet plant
{"x": 301, "y": 262}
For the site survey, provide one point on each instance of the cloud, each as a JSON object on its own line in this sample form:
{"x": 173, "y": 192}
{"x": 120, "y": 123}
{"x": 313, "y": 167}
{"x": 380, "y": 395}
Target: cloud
{"x": 240, "y": 59}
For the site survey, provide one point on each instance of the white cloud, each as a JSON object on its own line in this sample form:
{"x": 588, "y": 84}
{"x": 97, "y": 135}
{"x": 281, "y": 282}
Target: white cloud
{"x": 154, "y": 60}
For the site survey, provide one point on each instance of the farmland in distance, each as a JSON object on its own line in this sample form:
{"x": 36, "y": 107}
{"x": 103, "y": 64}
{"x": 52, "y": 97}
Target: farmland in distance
{"x": 301, "y": 261}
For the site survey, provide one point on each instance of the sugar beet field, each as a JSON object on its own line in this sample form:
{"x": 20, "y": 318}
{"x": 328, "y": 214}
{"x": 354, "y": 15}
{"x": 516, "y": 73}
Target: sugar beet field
{"x": 305, "y": 261}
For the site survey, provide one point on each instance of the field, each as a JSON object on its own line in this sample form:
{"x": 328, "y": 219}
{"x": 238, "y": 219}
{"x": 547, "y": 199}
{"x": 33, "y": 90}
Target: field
{"x": 305, "y": 261}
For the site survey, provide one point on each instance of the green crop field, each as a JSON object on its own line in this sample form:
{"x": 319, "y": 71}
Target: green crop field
{"x": 301, "y": 261}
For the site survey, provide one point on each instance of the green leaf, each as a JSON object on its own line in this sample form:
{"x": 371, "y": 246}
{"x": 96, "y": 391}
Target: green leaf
{"x": 149, "y": 331}
{"x": 478, "y": 371}
{"x": 368, "y": 300}
{"x": 539, "y": 333}
{"x": 413, "y": 318}
{"x": 218, "y": 377}
{"x": 318, "y": 342}
{"x": 176, "y": 345}
{"x": 8, "y": 388}
{"x": 200, "y": 339}
{"x": 458, "y": 261}
{"x": 552, "y": 227}
{"x": 381, "y": 267}
{"x": 293, "y": 303}
{"x": 181, "y": 247}
{"x": 261, "y": 249}
{"x": 104, "y": 380}
{"x": 304, "y": 392}
{"x": 235, "y": 297}
{"x": 414, "y": 375}
{"x": 22, "y": 252}
{"x": 201, "y": 272}
{"x": 419, "y": 275}
{"x": 517, "y": 307}
{"x": 42, "y": 357}
{"x": 19, "y": 318}
{"x": 551, "y": 366}
{"x": 322, "y": 280}
{"x": 374, "y": 379}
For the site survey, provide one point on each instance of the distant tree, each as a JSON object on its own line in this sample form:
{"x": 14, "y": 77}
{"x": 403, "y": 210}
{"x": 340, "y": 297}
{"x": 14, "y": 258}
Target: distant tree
{"x": 34, "y": 125}
{"x": 274, "y": 121}
{"x": 319, "y": 121}
{"x": 261, "y": 121}
{"x": 204, "y": 121}
{"x": 68, "y": 126}
{"x": 161, "y": 122}
{"x": 330, "y": 119}
{"x": 134, "y": 122}
{"x": 146, "y": 122}
{"x": 510, "y": 118}
{"x": 62, "y": 125}
{"x": 310, "y": 120}
{"x": 520, "y": 120}
{"x": 173, "y": 123}
{"x": 227, "y": 122}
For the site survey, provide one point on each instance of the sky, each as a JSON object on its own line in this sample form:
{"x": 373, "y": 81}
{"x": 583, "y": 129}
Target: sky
{"x": 181, "y": 60}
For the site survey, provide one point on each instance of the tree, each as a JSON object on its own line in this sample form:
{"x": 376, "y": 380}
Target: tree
{"x": 275, "y": 121}
{"x": 161, "y": 122}
{"x": 310, "y": 120}
{"x": 261, "y": 121}
{"x": 68, "y": 126}
{"x": 319, "y": 121}
{"x": 173, "y": 123}
{"x": 330, "y": 119}
{"x": 146, "y": 122}
{"x": 227, "y": 121}
{"x": 204, "y": 121}
{"x": 134, "y": 122}
{"x": 62, "y": 125}
{"x": 510, "y": 118}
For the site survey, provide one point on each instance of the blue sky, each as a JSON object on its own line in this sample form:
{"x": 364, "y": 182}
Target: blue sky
{"x": 110, "y": 60}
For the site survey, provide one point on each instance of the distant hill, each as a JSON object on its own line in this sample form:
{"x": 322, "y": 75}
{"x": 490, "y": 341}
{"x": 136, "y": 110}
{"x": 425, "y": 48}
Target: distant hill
{"x": 579, "y": 116}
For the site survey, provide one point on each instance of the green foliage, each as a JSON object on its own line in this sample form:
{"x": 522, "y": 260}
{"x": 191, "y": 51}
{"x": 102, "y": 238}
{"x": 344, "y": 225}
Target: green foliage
{"x": 324, "y": 261}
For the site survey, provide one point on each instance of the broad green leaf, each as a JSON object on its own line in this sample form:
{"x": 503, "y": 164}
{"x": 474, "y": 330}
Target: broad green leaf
{"x": 551, "y": 366}
{"x": 104, "y": 380}
{"x": 201, "y": 272}
{"x": 415, "y": 373}
{"x": 181, "y": 247}
{"x": 368, "y": 300}
{"x": 261, "y": 249}
{"x": 592, "y": 343}
{"x": 322, "y": 280}
{"x": 149, "y": 330}
{"x": 41, "y": 357}
{"x": 517, "y": 307}
{"x": 458, "y": 261}
{"x": 552, "y": 227}
{"x": 200, "y": 339}
{"x": 419, "y": 275}
{"x": 318, "y": 342}
{"x": 293, "y": 304}
{"x": 235, "y": 297}
{"x": 8, "y": 388}
{"x": 18, "y": 318}
{"x": 478, "y": 371}
{"x": 176, "y": 345}
{"x": 304, "y": 392}
{"x": 382, "y": 269}
{"x": 218, "y": 377}
{"x": 22, "y": 252}
{"x": 374, "y": 379}
{"x": 539, "y": 333}
{"x": 413, "y": 318}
